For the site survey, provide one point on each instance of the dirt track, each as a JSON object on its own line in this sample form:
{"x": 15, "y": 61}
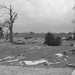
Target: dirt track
{"x": 16, "y": 70}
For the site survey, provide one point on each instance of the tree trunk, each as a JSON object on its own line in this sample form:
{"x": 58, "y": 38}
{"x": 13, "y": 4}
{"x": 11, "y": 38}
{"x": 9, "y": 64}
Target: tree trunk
{"x": 11, "y": 34}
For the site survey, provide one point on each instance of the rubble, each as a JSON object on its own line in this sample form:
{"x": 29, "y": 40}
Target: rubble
{"x": 36, "y": 62}
{"x": 12, "y": 60}
{"x": 59, "y": 55}
{"x": 73, "y": 73}
{"x": 9, "y": 57}
{"x": 58, "y": 59}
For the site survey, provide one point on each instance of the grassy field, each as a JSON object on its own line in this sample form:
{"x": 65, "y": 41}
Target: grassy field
{"x": 37, "y": 51}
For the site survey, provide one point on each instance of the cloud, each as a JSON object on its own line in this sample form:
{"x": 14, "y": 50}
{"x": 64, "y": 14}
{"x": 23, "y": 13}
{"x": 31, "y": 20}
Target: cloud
{"x": 45, "y": 11}
{"x": 42, "y": 8}
{"x": 45, "y": 7}
{"x": 42, "y": 12}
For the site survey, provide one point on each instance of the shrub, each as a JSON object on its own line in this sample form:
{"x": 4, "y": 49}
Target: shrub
{"x": 58, "y": 41}
{"x": 1, "y": 33}
{"x": 51, "y": 40}
{"x": 27, "y": 37}
{"x": 69, "y": 38}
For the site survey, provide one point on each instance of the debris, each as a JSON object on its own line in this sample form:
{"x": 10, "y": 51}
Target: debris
{"x": 72, "y": 51}
{"x": 13, "y": 60}
{"x": 57, "y": 62}
{"x": 36, "y": 62}
{"x": 71, "y": 65}
{"x": 73, "y": 73}
{"x": 61, "y": 60}
{"x": 65, "y": 62}
{"x": 65, "y": 59}
{"x": 9, "y": 57}
{"x": 59, "y": 55}
{"x": 21, "y": 62}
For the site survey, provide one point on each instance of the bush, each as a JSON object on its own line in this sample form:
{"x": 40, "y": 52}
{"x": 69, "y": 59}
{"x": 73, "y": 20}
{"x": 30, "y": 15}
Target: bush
{"x": 27, "y": 37}
{"x": 58, "y": 41}
{"x": 69, "y": 38}
{"x": 1, "y": 33}
{"x": 51, "y": 40}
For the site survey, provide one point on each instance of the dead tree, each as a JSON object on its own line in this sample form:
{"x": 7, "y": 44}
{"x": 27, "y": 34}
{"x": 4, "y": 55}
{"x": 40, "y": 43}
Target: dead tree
{"x": 1, "y": 33}
{"x": 73, "y": 21}
{"x": 9, "y": 23}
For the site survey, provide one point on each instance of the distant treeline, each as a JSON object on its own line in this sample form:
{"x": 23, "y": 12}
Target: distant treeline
{"x": 41, "y": 35}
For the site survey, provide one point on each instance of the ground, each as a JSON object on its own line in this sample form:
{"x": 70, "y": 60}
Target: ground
{"x": 11, "y": 70}
{"x": 36, "y": 51}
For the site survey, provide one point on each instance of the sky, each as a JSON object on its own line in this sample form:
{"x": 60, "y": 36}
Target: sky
{"x": 42, "y": 15}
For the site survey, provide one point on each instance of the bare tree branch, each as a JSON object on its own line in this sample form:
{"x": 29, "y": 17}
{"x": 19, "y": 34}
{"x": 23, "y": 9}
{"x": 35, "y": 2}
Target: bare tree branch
{"x": 3, "y": 14}
{"x": 15, "y": 16}
{"x": 3, "y": 25}
{"x": 11, "y": 10}
{"x": 4, "y": 6}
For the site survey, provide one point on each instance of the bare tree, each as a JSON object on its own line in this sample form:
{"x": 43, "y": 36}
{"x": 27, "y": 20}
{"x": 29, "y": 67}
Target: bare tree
{"x": 73, "y": 21}
{"x": 9, "y": 22}
{"x": 1, "y": 33}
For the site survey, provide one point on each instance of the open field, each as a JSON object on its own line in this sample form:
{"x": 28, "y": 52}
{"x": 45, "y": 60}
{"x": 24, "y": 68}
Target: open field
{"x": 38, "y": 51}
{"x": 37, "y": 37}
{"x": 35, "y": 51}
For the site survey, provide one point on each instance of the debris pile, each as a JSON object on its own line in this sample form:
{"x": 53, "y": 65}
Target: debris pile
{"x": 21, "y": 60}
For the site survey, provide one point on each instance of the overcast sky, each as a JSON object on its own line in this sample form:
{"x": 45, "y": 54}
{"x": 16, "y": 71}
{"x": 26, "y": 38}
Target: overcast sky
{"x": 42, "y": 15}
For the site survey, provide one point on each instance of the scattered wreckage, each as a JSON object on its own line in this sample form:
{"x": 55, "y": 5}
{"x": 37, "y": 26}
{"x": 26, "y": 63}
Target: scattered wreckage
{"x": 12, "y": 59}
{"x": 61, "y": 58}
{"x": 35, "y": 62}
